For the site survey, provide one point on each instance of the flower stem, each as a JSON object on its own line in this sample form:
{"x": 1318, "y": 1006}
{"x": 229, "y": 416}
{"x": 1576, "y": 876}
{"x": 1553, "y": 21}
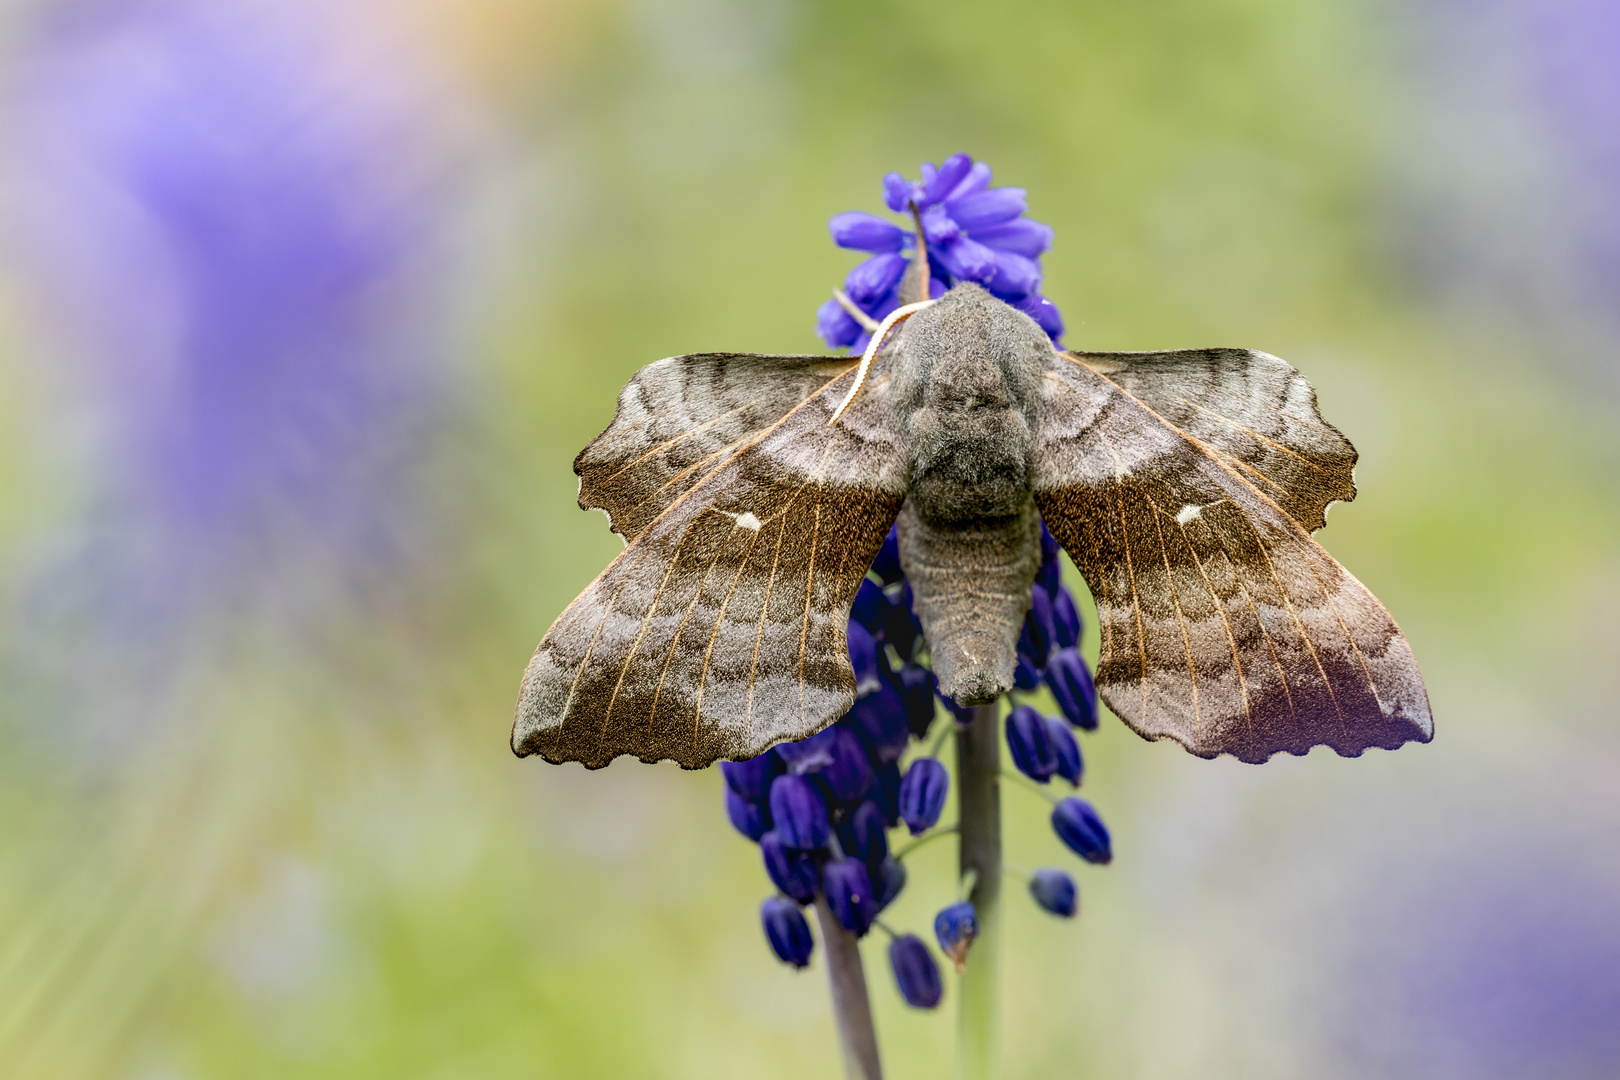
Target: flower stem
{"x": 851, "y": 1008}
{"x": 978, "y": 776}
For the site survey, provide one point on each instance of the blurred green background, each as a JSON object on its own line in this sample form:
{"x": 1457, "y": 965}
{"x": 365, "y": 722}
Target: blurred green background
{"x": 308, "y": 306}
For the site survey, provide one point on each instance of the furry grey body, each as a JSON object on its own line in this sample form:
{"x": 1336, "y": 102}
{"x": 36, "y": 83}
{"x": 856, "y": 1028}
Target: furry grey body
{"x": 966, "y": 394}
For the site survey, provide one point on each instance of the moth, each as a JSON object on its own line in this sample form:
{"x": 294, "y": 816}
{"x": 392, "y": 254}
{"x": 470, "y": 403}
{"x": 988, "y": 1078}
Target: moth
{"x": 753, "y": 492}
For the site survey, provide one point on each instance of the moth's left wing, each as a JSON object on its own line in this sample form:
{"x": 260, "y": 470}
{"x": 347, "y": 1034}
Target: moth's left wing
{"x": 720, "y": 630}
{"x": 1224, "y": 625}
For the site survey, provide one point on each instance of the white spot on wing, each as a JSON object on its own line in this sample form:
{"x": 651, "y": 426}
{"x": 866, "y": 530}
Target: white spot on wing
{"x": 747, "y": 520}
{"x": 1187, "y": 513}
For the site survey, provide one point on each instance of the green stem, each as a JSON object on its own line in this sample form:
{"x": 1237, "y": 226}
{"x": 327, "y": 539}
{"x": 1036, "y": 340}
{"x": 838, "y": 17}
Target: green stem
{"x": 949, "y": 830}
{"x": 852, "y": 1011}
{"x": 978, "y": 778}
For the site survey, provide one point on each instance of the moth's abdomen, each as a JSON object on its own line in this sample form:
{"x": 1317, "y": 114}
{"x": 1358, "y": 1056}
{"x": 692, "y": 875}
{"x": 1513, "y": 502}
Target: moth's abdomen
{"x": 970, "y": 583}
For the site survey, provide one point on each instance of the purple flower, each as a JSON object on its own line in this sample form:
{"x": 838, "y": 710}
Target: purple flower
{"x": 917, "y": 686}
{"x": 889, "y": 879}
{"x": 867, "y": 232}
{"x": 880, "y": 718}
{"x": 1078, "y": 826}
{"x": 922, "y": 794}
{"x": 1070, "y": 682}
{"x": 1070, "y": 765}
{"x": 1029, "y": 737}
{"x": 749, "y": 818}
{"x": 798, "y": 812}
{"x": 752, "y": 778}
{"x": 787, "y": 932}
{"x": 848, "y": 885}
{"x": 1055, "y": 891}
{"x": 863, "y": 835}
{"x": 974, "y": 233}
{"x": 1035, "y": 641}
{"x": 863, "y": 657}
{"x": 791, "y": 870}
{"x": 956, "y": 927}
{"x": 915, "y": 973}
{"x": 1065, "y": 619}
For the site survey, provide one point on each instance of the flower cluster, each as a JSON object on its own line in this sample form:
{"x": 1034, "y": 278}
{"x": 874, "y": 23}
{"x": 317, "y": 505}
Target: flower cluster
{"x": 974, "y": 232}
{"x": 820, "y": 809}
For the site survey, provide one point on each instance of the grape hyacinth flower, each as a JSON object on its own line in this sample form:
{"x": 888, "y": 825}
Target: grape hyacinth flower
{"x": 915, "y": 972}
{"x": 974, "y": 232}
{"x": 820, "y": 808}
{"x": 1055, "y": 891}
{"x": 956, "y": 927}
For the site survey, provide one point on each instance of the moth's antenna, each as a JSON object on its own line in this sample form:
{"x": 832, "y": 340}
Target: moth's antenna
{"x": 868, "y": 323}
{"x": 898, "y": 315}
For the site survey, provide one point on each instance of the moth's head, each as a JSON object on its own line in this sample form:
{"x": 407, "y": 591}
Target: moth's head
{"x": 965, "y": 384}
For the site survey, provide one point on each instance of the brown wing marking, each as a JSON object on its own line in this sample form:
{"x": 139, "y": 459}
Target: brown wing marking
{"x": 1248, "y": 637}
{"x": 761, "y": 557}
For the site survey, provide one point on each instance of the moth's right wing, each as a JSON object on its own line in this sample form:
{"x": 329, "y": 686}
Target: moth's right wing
{"x": 679, "y": 418}
{"x": 721, "y": 629}
{"x": 1224, "y": 625}
{"x": 1253, "y": 411}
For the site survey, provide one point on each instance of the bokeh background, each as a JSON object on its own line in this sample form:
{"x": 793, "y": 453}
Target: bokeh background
{"x": 305, "y": 308}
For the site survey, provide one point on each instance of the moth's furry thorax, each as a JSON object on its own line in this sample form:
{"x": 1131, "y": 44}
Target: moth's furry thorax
{"x": 966, "y": 392}
{"x": 966, "y": 388}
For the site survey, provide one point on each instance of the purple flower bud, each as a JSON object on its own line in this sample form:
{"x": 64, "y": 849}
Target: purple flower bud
{"x": 952, "y": 171}
{"x": 792, "y": 871}
{"x": 870, "y": 606}
{"x": 985, "y": 209}
{"x": 1035, "y": 641}
{"x": 849, "y": 775}
{"x": 1020, "y": 236}
{"x": 748, "y": 818}
{"x": 887, "y": 564}
{"x": 880, "y": 718}
{"x": 1044, "y": 312}
{"x": 866, "y": 232}
{"x": 848, "y": 885}
{"x": 915, "y": 973}
{"x": 1072, "y": 688}
{"x": 968, "y": 260}
{"x": 917, "y": 686}
{"x": 1030, "y": 741}
{"x": 1055, "y": 891}
{"x": 1050, "y": 548}
{"x": 889, "y": 880}
{"x": 897, "y": 191}
{"x": 799, "y": 813}
{"x": 1026, "y": 676}
{"x": 938, "y": 229}
{"x": 752, "y": 778}
{"x": 787, "y": 931}
{"x": 862, "y": 834}
{"x": 1015, "y": 277}
{"x": 835, "y": 326}
{"x": 902, "y": 630}
{"x": 922, "y": 794}
{"x": 1070, "y": 765}
{"x": 956, "y": 927}
{"x": 1065, "y": 619}
{"x": 863, "y": 657}
{"x": 1078, "y": 826}
{"x": 874, "y": 278}
{"x": 810, "y": 754}
{"x": 886, "y": 793}
{"x": 978, "y": 178}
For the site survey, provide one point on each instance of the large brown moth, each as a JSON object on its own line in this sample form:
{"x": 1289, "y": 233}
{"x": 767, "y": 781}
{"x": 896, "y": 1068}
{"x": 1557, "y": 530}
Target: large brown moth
{"x": 1184, "y": 485}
